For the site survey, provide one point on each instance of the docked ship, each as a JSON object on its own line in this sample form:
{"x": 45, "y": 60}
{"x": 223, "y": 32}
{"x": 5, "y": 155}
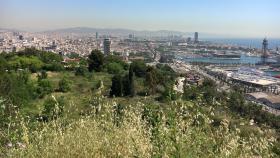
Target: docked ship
{"x": 225, "y": 55}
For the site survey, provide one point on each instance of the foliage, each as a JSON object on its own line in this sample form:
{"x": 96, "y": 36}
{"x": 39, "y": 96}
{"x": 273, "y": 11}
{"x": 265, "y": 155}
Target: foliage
{"x": 64, "y": 85}
{"x": 44, "y": 88}
{"x": 53, "y": 107}
{"x": 131, "y": 84}
{"x": 43, "y": 75}
{"x": 123, "y": 85}
{"x": 32, "y": 63}
{"x": 95, "y": 61}
{"x": 169, "y": 94}
{"x": 139, "y": 68}
{"x": 180, "y": 130}
{"x": 34, "y": 60}
{"x": 115, "y": 59}
{"x": 191, "y": 93}
{"x": 209, "y": 89}
{"x": 114, "y": 68}
{"x": 117, "y": 86}
{"x": 151, "y": 79}
{"x": 81, "y": 71}
{"x": 16, "y": 87}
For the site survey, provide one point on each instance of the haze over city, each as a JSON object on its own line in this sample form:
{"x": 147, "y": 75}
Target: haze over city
{"x": 220, "y": 18}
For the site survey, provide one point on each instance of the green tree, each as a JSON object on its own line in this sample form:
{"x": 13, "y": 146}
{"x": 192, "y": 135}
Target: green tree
{"x": 95, "y": 61}
{"x": 151, "y": 79}
{"x": 236, "y": 101}
{"x": 117, "y": 86}
{"x": 139, "y": 68}
{"x": 131, "y": 84}
{"x": 114, "y": 68}
{"x": 209, "y": 89}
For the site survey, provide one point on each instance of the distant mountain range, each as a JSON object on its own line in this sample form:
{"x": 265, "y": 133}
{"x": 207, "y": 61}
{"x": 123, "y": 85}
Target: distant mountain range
{"x": 119, "y": 32}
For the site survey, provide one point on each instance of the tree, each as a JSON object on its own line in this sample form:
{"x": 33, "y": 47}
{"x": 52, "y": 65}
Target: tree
{"x": 117, "y": 86}
{"x": 114, "y": 68}
{"x": 139, "y": 68}
{"x": 95, "y": 61}
{"x": 151, "y": 79}
{"x": 209, "y": 89}
{"x": 236, "y": 101}
{"x": 64, "y": 85}
{"x": 131, "y": 84}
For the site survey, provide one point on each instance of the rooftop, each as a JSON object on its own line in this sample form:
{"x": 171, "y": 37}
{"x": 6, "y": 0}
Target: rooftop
{"x": 274, "y": 99}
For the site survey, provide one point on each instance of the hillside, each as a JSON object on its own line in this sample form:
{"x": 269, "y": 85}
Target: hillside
{"x": 104, "y": 107}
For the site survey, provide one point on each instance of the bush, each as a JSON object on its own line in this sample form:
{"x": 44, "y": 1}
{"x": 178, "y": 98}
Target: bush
{"x": 44, "y": 88}
{"x": 64, "y": 85}
{"x": 81, "y": 71}
{"x": 43, "y": 75}
{"x": 114, "y": 68}
{"x": 53, "y": 107}
{"x": 16, "y": 87}
{"x": 53, "y": 67}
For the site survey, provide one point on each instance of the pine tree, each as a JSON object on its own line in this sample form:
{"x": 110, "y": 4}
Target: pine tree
{"x": 131, "y": 82}
{"x": 117, "y": 86}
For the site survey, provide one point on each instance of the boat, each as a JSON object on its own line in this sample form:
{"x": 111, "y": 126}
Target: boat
{"x": 227, "y": 55}
{"x": 277, "y": 76}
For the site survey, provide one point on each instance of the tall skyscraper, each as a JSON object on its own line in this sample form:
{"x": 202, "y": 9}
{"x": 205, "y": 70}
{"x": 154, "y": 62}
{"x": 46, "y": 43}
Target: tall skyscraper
{"x": 264, "y": 51}
{"x": 106, "y": 45}
{"x": 96, "y": 35}
{"x": 196, "y": 37}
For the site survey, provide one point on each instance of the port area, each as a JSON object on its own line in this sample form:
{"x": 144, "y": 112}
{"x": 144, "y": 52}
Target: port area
{"x": 257, "y": 85}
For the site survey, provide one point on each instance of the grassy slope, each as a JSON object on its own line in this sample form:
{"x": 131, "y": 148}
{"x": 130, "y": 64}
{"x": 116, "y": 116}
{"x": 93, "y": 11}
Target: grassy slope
{"x": 188, "y": 133}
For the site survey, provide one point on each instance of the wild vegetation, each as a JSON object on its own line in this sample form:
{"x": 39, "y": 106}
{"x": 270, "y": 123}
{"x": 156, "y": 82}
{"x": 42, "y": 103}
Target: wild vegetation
{"x": 104, "y": 107}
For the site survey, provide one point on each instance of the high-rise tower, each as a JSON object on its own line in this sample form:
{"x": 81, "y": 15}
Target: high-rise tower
{"x": 264, "y": 51}
{"x": 106, "y": 46}
{"x": 196, "y": 37}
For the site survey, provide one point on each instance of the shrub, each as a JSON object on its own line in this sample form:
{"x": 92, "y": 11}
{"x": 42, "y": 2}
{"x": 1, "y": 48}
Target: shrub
{"x": 45, "y": 87}
{"x": 114, "y": 68}
{"x": 81, "y": 71}
{"x": 64, "y": 85}
{"x": 53, "y": 107}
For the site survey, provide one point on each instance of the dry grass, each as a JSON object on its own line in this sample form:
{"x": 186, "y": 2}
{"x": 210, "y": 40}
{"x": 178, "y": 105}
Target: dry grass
{"x": 180, "y": 131}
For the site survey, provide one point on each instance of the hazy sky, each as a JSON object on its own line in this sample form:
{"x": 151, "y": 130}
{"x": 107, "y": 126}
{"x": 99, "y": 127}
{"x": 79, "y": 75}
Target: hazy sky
{"x": 239, "y": 18}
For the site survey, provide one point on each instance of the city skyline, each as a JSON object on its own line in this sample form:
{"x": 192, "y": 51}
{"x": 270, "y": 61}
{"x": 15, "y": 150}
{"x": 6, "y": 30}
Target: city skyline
{"x": 246, "y": 19}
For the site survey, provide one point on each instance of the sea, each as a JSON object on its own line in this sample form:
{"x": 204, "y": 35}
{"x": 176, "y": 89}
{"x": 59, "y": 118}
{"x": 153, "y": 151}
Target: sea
{"x": 246, "y": 42}
{"x": 250, "y": 43}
